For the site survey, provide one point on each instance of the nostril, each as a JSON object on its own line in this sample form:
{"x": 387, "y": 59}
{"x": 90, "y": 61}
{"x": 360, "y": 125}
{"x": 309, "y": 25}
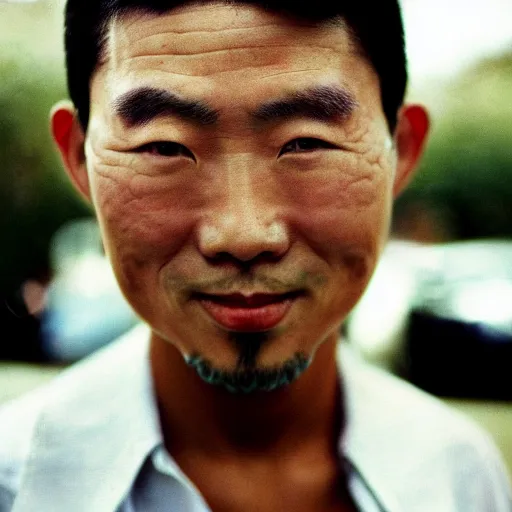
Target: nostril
{"x": 226, "y": 258}
{"x": 221, "y": 257}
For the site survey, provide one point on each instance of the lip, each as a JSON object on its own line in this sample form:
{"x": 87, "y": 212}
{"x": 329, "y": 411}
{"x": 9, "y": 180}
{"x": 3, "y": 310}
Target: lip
{"x": 247, "y": 313}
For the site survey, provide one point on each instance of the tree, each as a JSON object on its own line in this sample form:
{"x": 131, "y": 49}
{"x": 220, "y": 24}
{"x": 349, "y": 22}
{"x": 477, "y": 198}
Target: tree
{"x": 35, "y": 197}
{"x": 466, "y": 175}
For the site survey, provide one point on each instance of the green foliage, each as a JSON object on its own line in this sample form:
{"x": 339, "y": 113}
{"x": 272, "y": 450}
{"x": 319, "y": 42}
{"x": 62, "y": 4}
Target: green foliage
{"x": 467, "y": 170}
{"x": 35, "y": 196}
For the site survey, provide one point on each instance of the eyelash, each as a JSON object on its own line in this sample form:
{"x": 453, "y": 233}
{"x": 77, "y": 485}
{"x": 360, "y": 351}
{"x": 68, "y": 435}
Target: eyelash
{"x": 166, "y": 149}
{"x": 174, "y": 149}
{"x": 314, "y": 144}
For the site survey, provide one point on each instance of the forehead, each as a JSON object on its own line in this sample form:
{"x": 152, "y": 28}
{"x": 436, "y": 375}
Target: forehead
{"x": 214, "y": 51}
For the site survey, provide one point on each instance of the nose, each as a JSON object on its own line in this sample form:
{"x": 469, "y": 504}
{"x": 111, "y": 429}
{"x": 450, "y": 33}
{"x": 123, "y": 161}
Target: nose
{"x": 245, "y": 224}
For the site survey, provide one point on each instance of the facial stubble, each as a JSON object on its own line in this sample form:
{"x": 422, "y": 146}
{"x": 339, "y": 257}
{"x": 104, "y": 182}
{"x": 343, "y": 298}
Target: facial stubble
{"x": 248, "y": 376}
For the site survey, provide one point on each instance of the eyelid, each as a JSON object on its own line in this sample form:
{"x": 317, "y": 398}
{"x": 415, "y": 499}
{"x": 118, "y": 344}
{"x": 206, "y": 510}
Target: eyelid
{"x": 185, "y": 151}
{"x": 322, "y": 144}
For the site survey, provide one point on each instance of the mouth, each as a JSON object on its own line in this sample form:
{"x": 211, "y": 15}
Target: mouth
{"x": 247, "y": 313}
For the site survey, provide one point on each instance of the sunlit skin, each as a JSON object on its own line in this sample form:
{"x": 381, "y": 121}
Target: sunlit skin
{"x": 295, "y": 208}
{"x": 320, "y": 217}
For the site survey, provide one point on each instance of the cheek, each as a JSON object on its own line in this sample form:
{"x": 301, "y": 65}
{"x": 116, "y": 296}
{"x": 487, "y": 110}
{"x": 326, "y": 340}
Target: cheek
{"x": 342, "y": 209}
{"x": 145, "y": 219}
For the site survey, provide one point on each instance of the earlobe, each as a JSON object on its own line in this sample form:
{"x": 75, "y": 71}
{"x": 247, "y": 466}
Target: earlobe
{"x": 411, "y": 135}
{"x": 69, "y": 138}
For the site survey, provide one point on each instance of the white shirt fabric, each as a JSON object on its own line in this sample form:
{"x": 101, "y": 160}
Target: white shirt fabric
{"x": 91, "y": 441}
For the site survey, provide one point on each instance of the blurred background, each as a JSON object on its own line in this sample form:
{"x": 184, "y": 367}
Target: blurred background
{"x": 438, "y": 311}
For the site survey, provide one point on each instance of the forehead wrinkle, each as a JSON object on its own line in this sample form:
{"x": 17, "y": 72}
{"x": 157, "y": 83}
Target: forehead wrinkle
{"x": 207, "y": 31}
{"x": 236, "y": 48}
{"x": 122, "y": 45}
{"x": 126, "y": 36}
{"x": 168, "y": 42}
{"x": 187, "y": 19}
{"x": 165, "y": 25}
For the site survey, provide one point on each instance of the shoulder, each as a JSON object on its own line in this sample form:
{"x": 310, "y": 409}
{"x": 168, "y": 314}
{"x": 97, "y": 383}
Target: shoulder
{"x": 17, "y": 421}
{"x": 415, "y": 438}
{"x": 80, "y": 388}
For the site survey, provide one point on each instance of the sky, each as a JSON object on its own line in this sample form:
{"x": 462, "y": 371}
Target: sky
{"x": 446, "y": 36}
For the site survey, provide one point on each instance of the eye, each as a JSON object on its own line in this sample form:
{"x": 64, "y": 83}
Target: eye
{"x": 166, "y": 149}
{"x": 305, "y": 145}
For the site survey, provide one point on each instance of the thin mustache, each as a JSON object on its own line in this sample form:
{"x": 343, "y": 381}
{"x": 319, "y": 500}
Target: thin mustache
{"x": 249, "y": 284}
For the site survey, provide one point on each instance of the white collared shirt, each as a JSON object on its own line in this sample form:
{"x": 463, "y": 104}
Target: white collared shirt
{"x": 96, "y": 445}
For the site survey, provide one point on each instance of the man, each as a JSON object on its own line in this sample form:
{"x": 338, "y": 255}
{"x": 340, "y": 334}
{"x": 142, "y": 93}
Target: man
{"x": 242, "y": 159}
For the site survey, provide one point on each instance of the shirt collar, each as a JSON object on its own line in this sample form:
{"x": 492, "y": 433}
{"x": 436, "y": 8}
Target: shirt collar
{"x": 94, "y": 433}
{"x": 385, "y": 437}
{"x": 368, "y": 439}
{"x": 101, "y": 423}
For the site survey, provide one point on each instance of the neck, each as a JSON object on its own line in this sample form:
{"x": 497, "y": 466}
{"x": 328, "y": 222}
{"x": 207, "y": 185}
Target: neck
{"x": 208, "y": 421}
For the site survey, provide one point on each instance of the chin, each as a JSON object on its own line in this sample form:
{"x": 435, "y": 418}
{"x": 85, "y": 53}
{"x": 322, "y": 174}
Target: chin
{"x": 248, "y": 378}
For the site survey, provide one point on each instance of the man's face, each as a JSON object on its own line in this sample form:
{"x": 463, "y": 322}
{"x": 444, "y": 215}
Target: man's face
{"x": 242, "y": 171}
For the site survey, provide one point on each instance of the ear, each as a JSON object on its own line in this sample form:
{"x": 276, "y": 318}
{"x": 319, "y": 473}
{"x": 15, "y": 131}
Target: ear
{"x": 410, "y": 137}
{"x": 69, "y": 136}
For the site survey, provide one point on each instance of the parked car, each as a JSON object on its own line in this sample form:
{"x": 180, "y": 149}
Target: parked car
{"x": 441, "y": 317}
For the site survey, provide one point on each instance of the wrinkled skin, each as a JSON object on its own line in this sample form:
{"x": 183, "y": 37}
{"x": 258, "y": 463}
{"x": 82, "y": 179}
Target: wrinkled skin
{"x": 233, "y": 211}
{"x": 298, "y": 204}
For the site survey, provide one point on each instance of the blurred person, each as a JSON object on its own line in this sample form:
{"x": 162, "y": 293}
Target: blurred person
{"x": 242, "y": 159}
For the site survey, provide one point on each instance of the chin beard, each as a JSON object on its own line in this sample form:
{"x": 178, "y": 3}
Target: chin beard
{"x": 250, "y": 379}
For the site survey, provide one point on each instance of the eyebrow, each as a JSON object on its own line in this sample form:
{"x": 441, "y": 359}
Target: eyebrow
{"x": 321, "y": 103}
{"x": 140, "y": 106}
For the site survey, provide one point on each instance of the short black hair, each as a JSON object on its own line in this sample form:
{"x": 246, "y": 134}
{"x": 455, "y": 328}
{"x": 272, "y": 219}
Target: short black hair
{"x": 376, "y": 26}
